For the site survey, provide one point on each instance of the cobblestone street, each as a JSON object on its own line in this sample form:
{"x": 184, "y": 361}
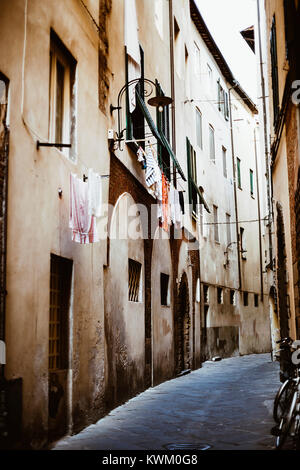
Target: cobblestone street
{"x": 225, "y": 405}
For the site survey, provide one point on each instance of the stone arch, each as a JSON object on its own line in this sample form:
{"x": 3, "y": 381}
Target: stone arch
{"x": 124, "y": 317}
{"x": 183, "y": 326}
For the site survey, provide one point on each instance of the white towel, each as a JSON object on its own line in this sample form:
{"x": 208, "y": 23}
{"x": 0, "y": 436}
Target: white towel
{"x": 94, "y": 193}
{"x": 83, "y": 225}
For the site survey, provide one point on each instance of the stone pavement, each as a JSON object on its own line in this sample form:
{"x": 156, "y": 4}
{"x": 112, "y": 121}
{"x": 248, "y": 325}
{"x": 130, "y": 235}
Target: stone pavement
{"x": 225, "y": 405}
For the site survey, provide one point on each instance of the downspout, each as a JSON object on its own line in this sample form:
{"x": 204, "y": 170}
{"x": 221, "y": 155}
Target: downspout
{"x": 259, "y": 221}
{"x": 235, "y": 191}
{"x": 268, "y": 176}
{"x": 172, "y": 73}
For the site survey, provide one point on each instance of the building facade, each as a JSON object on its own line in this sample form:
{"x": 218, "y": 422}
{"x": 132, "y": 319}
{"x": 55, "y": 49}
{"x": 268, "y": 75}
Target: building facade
{"x": 279, "y": 28}
{"x": 86, "y": 326}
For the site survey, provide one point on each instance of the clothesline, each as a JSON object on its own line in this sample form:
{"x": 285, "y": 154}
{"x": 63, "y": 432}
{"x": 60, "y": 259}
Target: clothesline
{"x": 85, "y": 178}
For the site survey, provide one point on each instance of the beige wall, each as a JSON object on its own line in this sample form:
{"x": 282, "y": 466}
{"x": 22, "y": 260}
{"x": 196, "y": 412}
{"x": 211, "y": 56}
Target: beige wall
{"x": 38, "y": 219}
{"x": 162, "y": 316}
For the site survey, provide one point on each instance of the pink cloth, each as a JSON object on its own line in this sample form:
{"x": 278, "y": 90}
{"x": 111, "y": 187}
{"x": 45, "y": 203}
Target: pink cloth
{"x": 82, "y": 224}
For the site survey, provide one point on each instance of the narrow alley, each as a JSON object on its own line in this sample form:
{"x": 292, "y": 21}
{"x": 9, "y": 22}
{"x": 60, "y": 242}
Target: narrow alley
{"x": 225, "y": 405}
{"x": 149, "y": 224}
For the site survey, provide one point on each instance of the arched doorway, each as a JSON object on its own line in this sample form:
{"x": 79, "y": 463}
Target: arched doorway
{"x": 282, "y": 274}
{"x": 183, "y": 326}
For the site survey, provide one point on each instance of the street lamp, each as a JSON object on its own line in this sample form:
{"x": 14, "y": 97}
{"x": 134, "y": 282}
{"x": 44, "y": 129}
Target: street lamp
{"x": 158, "y": 101}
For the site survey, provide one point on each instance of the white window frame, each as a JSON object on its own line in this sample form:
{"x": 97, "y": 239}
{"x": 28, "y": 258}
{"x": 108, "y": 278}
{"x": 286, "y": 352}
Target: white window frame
{"x": 212, "y": 154}
{"x": 58, "y": 55}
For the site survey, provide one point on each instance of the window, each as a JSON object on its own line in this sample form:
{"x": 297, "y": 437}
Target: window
{"x": 228, "y": 228}
{"x": 223, "y": 104}
{"x": 239, "y": 179}
{"x": 205, "y": 223}
{"x": 62, "y": 96}
{"x": 201, "y": 219}
{"x": 256, "y": 300}
{"x": 177, "y": 48}
{"x": 197, "y": 60}
{"x": 221, "y": 100}
{"x": 199, "y": 127}
{"x": 163, "y": 126}
{"x": 274, "y": 65}
{"x": 134, "y": 278}
{"x": 232, "y": 297}
{"x": 226, "y": 104}
{"x": 209, "y": 76}
{"x": 216, "y": 225}
{"x": 220, "y": 295}
{"x": 192, "y": 177}
{"x": 251, "y": 183}
{"x": 212, "y": 153}
{"x": 135, "y": 122}
{"x": 224, "y": 155}
{"x": 187, "y": 74}
{"x": 164, "y": 289}
{"x": 60, "y": 292}
{"x": 206, "y": 294}
{"x": 198, "y": 289}
{"x": 206, "y": 317}
{"x": 245, "y": 298}
{"x": 242, "y": 243}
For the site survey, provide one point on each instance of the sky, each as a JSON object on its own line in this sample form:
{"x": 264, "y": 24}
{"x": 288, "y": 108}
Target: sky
{"x": 225, "y": 19}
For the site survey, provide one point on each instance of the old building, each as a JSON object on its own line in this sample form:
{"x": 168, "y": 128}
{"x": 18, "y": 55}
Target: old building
{"x": 279, "y": 30}
{"x": 88, "y": 321}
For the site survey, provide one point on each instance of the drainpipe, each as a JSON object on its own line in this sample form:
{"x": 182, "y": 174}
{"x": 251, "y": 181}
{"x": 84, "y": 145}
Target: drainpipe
{"x": 268, "y": 175}
{"x": 259, "y": 221}
{"x": 235, "y": 191}
{"x": 172, "y": 73}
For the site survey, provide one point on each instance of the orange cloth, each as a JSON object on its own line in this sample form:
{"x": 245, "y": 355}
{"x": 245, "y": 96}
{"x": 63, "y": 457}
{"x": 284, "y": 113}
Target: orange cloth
{"x": 165, "y": 203}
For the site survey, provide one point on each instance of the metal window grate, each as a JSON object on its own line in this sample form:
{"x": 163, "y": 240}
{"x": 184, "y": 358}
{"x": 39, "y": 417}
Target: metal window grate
{"x": 55, "y": 319}
{"x": 60, "y": 287}
{"x": 134, "y": 276}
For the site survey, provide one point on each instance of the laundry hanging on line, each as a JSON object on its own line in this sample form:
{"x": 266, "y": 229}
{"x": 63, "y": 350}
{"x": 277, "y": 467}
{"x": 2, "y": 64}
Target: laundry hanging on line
{"x": 170, "y": 205}
{"x": 85, "y": 206}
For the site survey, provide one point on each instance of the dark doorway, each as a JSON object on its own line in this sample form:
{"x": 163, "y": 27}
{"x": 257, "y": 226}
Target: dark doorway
{"x": 183, "y": 325}
{"x": 59, "y": 330}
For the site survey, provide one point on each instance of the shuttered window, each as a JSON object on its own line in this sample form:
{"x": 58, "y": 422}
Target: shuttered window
{"x": 163, "y": 126}
{"x": 192, "y": 176}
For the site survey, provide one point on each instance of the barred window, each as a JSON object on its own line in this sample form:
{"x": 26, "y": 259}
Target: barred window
{"x": 134, "y": 278}
{"x": 60, "y": 289}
